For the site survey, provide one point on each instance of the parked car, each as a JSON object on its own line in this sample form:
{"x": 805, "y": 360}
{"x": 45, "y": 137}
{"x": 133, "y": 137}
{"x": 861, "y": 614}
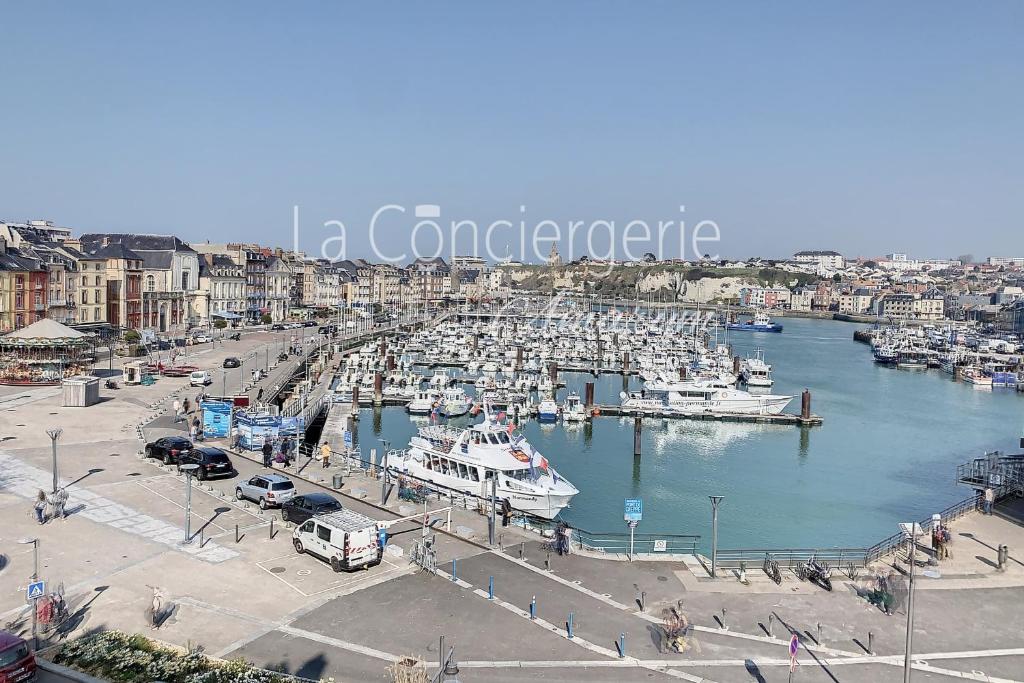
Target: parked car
{"x": 327, "y": 329}
{"x": 346, "y": 539}
{"x": 266, "y": 489}
{"x": 213, "y": 462}
{"x": 309, "y": 323}
{"x": 232, "y": 362}
{"x": 300, "y": 508}
{"x": 199, "y": 378}
{"x": 17, "y": 661}
{"x": 277, "y": 326}
{"x": 201, "y": 338}
{"x": 168, "y": 448}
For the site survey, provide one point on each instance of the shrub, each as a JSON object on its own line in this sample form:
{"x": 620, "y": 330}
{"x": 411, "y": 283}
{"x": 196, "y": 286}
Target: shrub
{"x": 132, "y": 337}
{"x": 220, "y": 324}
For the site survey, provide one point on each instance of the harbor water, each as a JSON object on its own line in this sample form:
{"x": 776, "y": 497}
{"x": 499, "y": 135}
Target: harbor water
{"x": 886, "y": 453}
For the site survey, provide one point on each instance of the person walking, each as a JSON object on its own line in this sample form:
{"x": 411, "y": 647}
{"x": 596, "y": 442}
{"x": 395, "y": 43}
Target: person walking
{"x": 325, "y": 455}
{"x": 192, "y": 430}
{"x": 40, "y": 507}
{"x": 990, "y": 497}
{"x": 186, "y": 407}
{"x": 259, "y": 395}
{"x": 268, "y": 452}
{"x": 177, "y": 411}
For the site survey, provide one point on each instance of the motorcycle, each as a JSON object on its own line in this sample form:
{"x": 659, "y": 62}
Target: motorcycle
{"x": 816, "y": 572}
{"x": 282, "y": 357}
{"x": 111, "y": 384}
{"x": 235, "y": 337}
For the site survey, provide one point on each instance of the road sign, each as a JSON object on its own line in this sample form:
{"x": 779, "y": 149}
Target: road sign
{"x": 348, "y": 438}
{"x": 660, "y": 545}
{"x": 36, "y": 590}
{"x": 634, "y": 510}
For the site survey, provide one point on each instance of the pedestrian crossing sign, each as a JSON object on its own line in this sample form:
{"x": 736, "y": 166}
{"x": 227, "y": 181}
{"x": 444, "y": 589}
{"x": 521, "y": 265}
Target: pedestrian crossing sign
{"x": 36, "y": 589}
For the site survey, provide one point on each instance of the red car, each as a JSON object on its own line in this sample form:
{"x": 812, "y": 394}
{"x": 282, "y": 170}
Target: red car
{"x": 17, "y": 662}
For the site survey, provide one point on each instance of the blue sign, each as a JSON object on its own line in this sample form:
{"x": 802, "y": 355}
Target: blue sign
{"x": 216, "y": 418}
{"x": 634, "y": 510}
{"x": 348, "y": 438}
{"x": 36, "y": 590}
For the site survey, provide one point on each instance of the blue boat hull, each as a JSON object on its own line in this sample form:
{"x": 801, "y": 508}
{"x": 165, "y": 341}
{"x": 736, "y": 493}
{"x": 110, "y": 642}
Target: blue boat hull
{"x": 740, "y": 327}
{"x": 547, "y": 417}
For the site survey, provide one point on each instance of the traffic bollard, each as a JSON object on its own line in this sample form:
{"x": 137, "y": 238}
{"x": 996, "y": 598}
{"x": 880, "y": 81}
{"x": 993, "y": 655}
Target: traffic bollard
{"x": 455, "y": 575}
{"x": 236, "y": 533}
{"x": 643, "y": 601}
{"x": 568, "y": 629}
{"x": 771, "y": 625}
{"x": 819, "y": 633}
{"x": 725, "y": 626}
{"x": 871, "y": 643}
{"x": 522, "y": 551}
{"x": 271, "y": 528}
{"x": 533, "y": 607}
{"x": 622, "y": 645}
{"x": 490, "y": 588}
{"x": 547, "y": 562}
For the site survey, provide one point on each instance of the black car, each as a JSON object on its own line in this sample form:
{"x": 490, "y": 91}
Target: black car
{"x": 301, "y": 508}
{"x": 309, "y": 323}
{"x": 168, "y": 448}
{"x": 277, "y": 326}
{"x": 327, "y": 329}
{"x": 213, "y": 462}
{"x": 232, "y": 362}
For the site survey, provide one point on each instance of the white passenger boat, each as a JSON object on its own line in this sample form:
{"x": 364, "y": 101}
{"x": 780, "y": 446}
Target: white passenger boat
{"x": 423, "y": 402}
{"x": 466, "y": 460}
{"x": 705, "y": 399}
{"x": 573, "y": 409}
{"x": 454, "y": 402}
{"x": 757, "y": 373}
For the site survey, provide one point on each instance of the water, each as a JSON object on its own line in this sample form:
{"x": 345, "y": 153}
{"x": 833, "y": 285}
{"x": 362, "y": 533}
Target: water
{"x": 886, "y": 453}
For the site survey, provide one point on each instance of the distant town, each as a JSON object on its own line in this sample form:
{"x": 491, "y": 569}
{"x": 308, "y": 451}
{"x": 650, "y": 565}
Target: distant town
{"x": 160, "y": 283}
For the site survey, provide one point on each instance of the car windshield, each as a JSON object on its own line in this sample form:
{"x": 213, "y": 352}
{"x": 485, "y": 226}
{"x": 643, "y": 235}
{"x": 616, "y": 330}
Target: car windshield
{"x": 13, "y": 654}
{"x": 281, "y": 486}
{"x": 216, "y": 457}
{"x": 332, "y": 506}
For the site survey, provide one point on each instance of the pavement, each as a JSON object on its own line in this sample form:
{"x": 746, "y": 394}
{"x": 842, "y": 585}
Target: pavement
{"x": 239, "y": 588}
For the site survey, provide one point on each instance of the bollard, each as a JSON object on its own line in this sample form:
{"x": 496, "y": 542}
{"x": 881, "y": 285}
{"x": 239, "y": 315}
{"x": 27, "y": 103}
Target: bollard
{"x": 871, "y": 643}
{"x": 725, "y": 627}
{"x": 643, "y": 601}
{"x": 271, "y": 528}
{"x": 622, "y": 645}
{"x": 636, "y": 435}
{"x": 236, "y": 533}
{"x": 568, "y": 626}
{"x": 819, "y": 633}
{"x": 805, "y": 405}
{"x": 522, "y": 550}
{"x": 455, "y": 575}
{"x": 547, "y": 562}
{"x": 202, "y": 540}
{"x": 533, "y": 607}
{"x": 490, "y": 588}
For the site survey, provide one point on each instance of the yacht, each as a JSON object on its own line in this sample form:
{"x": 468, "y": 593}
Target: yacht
{"x": 704, "y": 399}
{"x": 468, "y": 459}
{"x": 757, "y": 373}
{"x": 423, "y": 402}
{"x": 760, "y": 323}
{"x": 547, "y": 411}
{"x": 454, "y": 402}
{"x": 573, "y": 409}
{"x": 886, "y": 355}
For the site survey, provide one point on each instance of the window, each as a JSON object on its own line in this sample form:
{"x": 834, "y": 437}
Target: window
{"x": 323, "y": 533}
{"x": 308, "y": 526}
{"x": 463, "y": 472}
{"x": 150, "y": 283}
{"x": 473, "y": 474}
{"x": 97, "y": 281}
{"x": 85, "y": 296}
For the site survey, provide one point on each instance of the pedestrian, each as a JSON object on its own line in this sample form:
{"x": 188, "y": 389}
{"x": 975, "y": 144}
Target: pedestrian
{"x": 990, "y": 497}
{"x": 57, "y": 501}
{"x": 937, "y": 542}
{"x": 268, "y": 452}
{"x": 947, "y": 540}
{"x": 177, "y": 411}
{"x": 192, "y": 432}
{"x": 40, "y": 507}
{"x": 200, "y": 397}
{"x": 286, "y": 448}
{"x": 259, "y": 395}
{"x": 186, "y": 407}
{"x": 325, "y": 455}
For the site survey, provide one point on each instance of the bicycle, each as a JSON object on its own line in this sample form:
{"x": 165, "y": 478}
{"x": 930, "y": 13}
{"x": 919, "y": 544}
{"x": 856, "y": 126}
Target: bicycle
{"x": 771, "y": 568}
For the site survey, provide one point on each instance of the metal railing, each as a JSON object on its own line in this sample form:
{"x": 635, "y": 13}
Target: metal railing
{"x": 792, "y": 557}
{"x": 898, "y": 540}
{"x": 643, "y": 544}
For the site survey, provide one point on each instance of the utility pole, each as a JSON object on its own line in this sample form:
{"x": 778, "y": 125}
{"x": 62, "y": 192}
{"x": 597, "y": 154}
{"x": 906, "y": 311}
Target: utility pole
{"x": 54, "y": 434}
{"x": 715, "y": 500}
{"x": 188, "y": 470}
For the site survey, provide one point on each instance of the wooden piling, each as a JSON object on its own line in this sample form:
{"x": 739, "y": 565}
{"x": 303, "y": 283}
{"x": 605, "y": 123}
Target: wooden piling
{"x": 355, "y": 398}
{"x": 637, "y": 422}
{"x": 588, "y": 396}
{"x": 378, "y": 388}
{"x": 805, "y": 405}
{"x": 735, "y": 365}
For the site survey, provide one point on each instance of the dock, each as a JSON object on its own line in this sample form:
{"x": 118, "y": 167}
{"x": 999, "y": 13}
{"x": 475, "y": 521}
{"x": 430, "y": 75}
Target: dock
{"x": 794, "y": 419}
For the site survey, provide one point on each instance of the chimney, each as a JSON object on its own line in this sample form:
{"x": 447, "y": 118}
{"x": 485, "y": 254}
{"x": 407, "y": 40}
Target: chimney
{"x": 3, "y": 245}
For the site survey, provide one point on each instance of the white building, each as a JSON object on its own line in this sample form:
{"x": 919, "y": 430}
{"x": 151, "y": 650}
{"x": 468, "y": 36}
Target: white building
{"x": 830, "y": 260}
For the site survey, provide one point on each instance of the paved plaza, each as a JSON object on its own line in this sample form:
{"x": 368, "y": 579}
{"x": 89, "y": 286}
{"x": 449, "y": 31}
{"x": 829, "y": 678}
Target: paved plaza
{"x": 239, "y": 588}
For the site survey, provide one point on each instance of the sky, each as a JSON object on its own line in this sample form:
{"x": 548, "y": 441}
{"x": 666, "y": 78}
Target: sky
{"x": 868, "y": 128}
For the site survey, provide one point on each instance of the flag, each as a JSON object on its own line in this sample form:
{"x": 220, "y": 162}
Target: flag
{"x": 501, "y": 416}
{"x": 476, "y": 409}
{"x": 511, "y": 426}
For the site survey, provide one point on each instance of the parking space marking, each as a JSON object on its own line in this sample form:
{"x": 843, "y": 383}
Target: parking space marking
{"x": 344, "y": 582}
{"x": 179, "y": 505}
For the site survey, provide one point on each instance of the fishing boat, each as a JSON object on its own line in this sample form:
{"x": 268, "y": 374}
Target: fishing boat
{"x": 886, "y": 355}
{"x": 454, "y": 402}
{"x": 760, "y": 323}
{"x": 469, "y": 460}
{"x": 912, "y": 359}
{"x": 755, "y": 372}
{"x": 547, "y": 411}
{"x": 573, "y": 409}
{"x": 972, "y": 374}
{"x": 423, "y": 402}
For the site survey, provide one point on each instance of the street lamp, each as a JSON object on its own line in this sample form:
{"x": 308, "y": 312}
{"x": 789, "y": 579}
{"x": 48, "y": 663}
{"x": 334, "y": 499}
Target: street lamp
{"x": 910, "y": 530}
{"x": 715, "y": 500}
{"x": 35, "y": 577}
{"x": 54, "y": 434}
{"x": 384, "y": 468}
{"x": 188, "y": 470}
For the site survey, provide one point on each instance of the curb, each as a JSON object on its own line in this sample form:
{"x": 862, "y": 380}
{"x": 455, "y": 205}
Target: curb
{"x": 66, "y": 672}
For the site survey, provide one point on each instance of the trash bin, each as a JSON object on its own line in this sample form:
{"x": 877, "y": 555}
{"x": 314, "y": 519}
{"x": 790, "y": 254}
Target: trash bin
{"x": 337, "y": 480}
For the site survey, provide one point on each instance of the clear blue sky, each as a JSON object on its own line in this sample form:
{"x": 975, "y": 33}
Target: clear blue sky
{"x": 865, "y": 127}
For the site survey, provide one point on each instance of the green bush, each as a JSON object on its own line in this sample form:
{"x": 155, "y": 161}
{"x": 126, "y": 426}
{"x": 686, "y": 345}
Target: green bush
{"x": 132, "y": 337}
{"x": 220, "y": 324}
{"x": 133, "y": 658}
{"x": 266, "y": 319}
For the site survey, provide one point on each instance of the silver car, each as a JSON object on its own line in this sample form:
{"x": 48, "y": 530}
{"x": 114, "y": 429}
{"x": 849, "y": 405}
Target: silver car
{"x": 269, "y": 490}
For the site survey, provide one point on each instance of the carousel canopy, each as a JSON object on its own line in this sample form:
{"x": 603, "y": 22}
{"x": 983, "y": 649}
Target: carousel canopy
{"x": 45, "y": 332}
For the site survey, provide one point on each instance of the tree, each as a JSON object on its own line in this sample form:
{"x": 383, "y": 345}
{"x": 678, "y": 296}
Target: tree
{"x": 266, "y": 319}
{"x": 965, "y": 259}
{"x": 220, "y": 324}
{"x": 132, "y": 337}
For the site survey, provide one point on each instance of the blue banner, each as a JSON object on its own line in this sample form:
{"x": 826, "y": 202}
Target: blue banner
{"x": 254, "y": 430}
{"x": 216, "y": 419}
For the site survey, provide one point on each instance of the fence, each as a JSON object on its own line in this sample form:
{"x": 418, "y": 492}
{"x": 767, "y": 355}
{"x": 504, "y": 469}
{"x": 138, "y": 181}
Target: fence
{"x": 643, "y": 544}
{"x": 792, "y": 557}
{"x": 898, "y": 540}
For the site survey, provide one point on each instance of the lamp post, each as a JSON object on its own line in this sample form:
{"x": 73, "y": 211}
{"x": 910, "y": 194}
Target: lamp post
{"x": 35, "y": 577}
{"x": 910, "y": 602}
{"x": 188, "y": 470}
{"x": 715, "y": 500}
{"x": 54, "y": 434}
{"x": 384, "y": 470}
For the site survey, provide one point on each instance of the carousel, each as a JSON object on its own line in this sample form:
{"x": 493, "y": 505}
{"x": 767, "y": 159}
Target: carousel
{"x": 45, "y": 352}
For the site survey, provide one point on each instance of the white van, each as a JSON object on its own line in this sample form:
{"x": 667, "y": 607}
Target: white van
{"x": 346, "y": 539}
{"x": 199, "y": 378}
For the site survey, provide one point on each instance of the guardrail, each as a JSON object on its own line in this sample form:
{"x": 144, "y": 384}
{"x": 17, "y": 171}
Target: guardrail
{"x": 643, "y": 544}
{"x": 898, "y": 540}
{"x": 792, "y": 557}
